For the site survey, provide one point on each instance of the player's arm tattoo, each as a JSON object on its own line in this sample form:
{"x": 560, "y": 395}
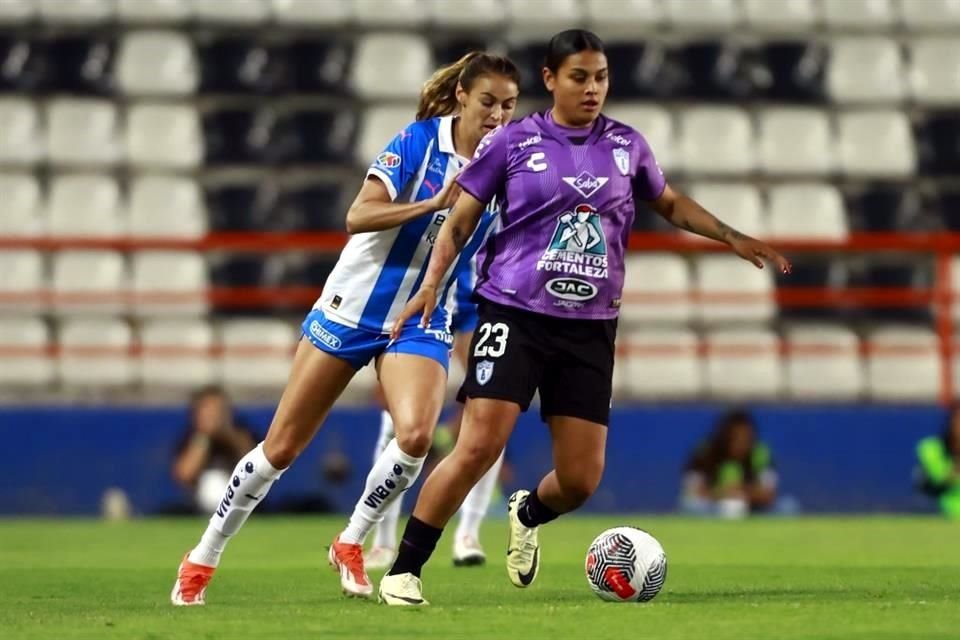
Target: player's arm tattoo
{"x": 687, "y": 213}
{"x": 459, "y": 238}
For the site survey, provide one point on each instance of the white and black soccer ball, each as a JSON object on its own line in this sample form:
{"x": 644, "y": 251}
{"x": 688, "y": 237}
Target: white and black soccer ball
{"x": 626, "y": 564}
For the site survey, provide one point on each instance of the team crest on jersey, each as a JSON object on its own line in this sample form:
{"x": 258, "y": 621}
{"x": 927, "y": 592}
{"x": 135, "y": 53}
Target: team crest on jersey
{"x": 622, "y": 158}
{"x": 484, "y": 372}
{"x": 388, "y": 160}
{"x": 586, "y": 184}
{"x": 579, "y": 231}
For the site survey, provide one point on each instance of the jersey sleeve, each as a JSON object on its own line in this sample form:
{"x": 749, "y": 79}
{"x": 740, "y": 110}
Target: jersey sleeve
{"x": 487, "y": 172}
{"x": 398, "y": 162}
{"x": 648, "y": 183}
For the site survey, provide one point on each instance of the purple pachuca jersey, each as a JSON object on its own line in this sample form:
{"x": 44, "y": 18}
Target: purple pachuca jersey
{"x": 566, "y": 207}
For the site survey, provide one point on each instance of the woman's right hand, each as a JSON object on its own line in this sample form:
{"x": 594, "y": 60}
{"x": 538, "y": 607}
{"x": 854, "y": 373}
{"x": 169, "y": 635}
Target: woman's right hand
{"x": 447, "y": 196}
{"x": 424, "y": 302}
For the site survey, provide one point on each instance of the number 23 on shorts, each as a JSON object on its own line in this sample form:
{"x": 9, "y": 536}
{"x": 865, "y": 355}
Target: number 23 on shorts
{"x": 492, "y": 341}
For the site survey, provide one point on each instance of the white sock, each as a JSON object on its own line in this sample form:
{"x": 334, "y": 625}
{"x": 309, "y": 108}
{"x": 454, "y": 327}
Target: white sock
{"x": 385, "y": 533}
{"x": 249, "y": 484}
{"x": 475, "y": 505}
{"x": 393, "y": 472}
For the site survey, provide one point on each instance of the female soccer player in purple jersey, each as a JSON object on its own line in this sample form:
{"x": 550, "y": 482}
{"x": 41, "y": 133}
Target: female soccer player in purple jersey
{"x": 548, "y": 287}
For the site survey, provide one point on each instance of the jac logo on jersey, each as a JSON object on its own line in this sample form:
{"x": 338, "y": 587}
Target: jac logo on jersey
{"x": 586, "y": 184}
{"x": 388, "y": 160}
{"x": 571, "y": 289}
{"x": 324, "y": 336}
{"x": 534, "y": 139}
{"x": 619, "y": 139}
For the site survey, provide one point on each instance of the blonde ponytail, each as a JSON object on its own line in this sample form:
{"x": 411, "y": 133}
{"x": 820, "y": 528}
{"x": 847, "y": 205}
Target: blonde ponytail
{"x": 439, "y": 94}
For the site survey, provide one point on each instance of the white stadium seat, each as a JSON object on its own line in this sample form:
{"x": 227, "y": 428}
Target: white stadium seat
{"x": 405, "y": 74}
{"x": 717, "y": 140}
{"x": 15, "y": 11}
{"x": 930, "y": 15}
{"x": 737, "y": 204}
{"x": 743, "y": 363}
{"x": 392, "y": 13}
{"x": 153, "y": 11}
{"x": 167, "y": 206}
{"x": 733, "y": 291}
{"x": 540, "y": 20}
{"x": 876, "y": 144}
{"x": 87, "y": 204}
{"x": 867, "y": 15}
{"x": 83, "y": 132}
{"x": 795, "y": 141}
{"x": 75, "y": 11}
{"x": 823, "y": 363}
{"x": 903, "y": 364}
{"x": 469, "y": 14}
{"x": 24, "y": 281}
{"x": 164, "y": 136}
{"x": 25, "y": 351}
{"x": 20, "y": 135}
{"x": 806, "y": 210}
{"x": 21, "y": 213}
{"x": 378, "y": 128}
{"x": 309, "y": 12}
{"x": 715, "y": 15}
{"x": 865, "y": 69}
{"x": 237, "y": 12}
{"x": 93, "y": 282}
{"x": 934, "y": 76}
{"x": 780, "y": 16}
{"x": 96, "y": 353}
{"x": 257, "y": 353}
{"x": 168, "y": 283}
{"x": 656, "y": 289}
{"x": 661, "y": 363}
{"x": 622, "y": 19}
{"x": 156, "y": 63}
{"x": 655, "y": 125}
{"x": 177, "y": 353}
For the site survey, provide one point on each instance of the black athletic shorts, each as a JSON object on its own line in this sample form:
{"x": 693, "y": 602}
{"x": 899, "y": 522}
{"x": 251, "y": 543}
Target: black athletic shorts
{"x": 514, "y": 353}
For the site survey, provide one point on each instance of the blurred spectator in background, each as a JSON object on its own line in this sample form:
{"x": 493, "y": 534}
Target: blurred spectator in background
{"x": 210, "y": 448}
{"x": 939, "y": 470}
{"x": 731, "y": 474}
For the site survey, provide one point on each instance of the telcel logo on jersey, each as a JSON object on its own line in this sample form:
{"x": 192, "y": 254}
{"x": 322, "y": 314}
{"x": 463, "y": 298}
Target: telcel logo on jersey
{"x": 619, "y": 139}
{"x": 534, "y": 139}
{"x": 324, "y": 336}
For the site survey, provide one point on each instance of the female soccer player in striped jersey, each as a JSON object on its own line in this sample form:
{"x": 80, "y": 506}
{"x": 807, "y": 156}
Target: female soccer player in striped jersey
{"x": 394, "y": 222}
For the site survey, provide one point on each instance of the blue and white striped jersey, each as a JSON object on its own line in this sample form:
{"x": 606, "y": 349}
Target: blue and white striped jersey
{"x": 379, "y": 271}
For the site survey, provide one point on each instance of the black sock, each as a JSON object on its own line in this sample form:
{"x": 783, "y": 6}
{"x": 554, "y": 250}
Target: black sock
{"x": 533, "y": 513}
{"x": 417, "y": 545}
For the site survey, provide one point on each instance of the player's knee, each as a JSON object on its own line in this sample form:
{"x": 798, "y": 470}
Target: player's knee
{"x": 281, "y": 451}
{"x": 579, "y": 486}
{"x": 414, "y": 437}
{"x": 477, "y": 457}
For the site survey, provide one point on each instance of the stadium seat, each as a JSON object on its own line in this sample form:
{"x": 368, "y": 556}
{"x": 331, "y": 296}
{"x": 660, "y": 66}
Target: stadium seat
{"x": 327, "y": 136}
{"x": 732, "y": 290}
{"x": 24, "y": 282}
{"x": 940, "y": 144}
{"x": 315, "y": 271}
{"x": 715, "y": 15}
{"x": 865, "y": 70}
{"x": 241, "y": 206}
{"x": 904, "y": 275}
{"x": 238, "y": 65}
{"x": 534, "y": 21}
{"x": 795, "y": 141}
{"x": 529, "y": 58}
{"x": 317, "y": 206}
{"x": 166, "y": 206}
{"x": 166, "y": 283}
{"x": 866, "y": 15}
{"x": 447, "y": 50}
{"x": 743, "y": 363}
{"x": 933, "y": 78}
{"x": 876, "y": 143}
{"x": 661, "y": 364}
{"x": 309, "y": 13}
{"x": 246, "y": 136}
{"x": 17, "y": 11}
{"x": 402, "y": 78}
{"x": 257, "y": 353}
{"x": 26, "y": 351}
{"x": 24, "y": 65}
{"x": 470, "y": 14}
{"x": 903, "y": 364}
{"x": 96, "y": 353}
{"x": 781, "y": 17}
{"x": 153, "y": 11}
{"x": 813, "y": 272}
{"x": 378, "y": 127}
{"x": 806, "y": 210}
{"x": 237, "y": 270}
{"x": 83, "y": 132}
{"x": 719, "y": 71}
{"x": 75, "y": 11}
{"x": 948, "y": 203}
{"x": 177, "y": 354}
{"x": 797, "y": 71}
{"x": 656, "y": 289}
{"x": 656, "y": 126}
{"x": 21, "y": 213}
{"x": 930, "y": 15}
{"x": 623, "y": 19}
{"x": 85, "y": 205}
{"x": 164, "y": 136}
{"x": 20, "y": 136}
{"x": 823, "y": 363}
{"x": 81, "y": 65}
{"x": 884, "y": 207}
{"x": 391, "y": 13}
{"x": 89, "y": 282}
{"x": 235, "y": 12}
{"x": 320, "y": 67}
{"x": 737, "y": 204}
{"x": 158, "y": 63}
{"x": 717, "y": 140}
{"x": 640, "y": 70}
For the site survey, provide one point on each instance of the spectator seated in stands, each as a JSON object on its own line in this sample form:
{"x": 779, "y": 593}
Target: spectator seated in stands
{"x": 939, "y": 471}
{"x": 732, "y": 474}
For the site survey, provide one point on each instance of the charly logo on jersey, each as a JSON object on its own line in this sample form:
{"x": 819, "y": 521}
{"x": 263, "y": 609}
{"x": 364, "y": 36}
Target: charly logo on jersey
{"x": 484, "y": 372}
{"x": 578, "y": 246}
{"x": 586, "y": 184}
{"x": 622, "y": 159}
{"x": 388, "y": 160}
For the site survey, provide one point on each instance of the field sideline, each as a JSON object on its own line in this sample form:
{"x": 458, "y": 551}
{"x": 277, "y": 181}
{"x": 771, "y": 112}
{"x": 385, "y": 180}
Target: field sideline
{"x": 868, "y": 578}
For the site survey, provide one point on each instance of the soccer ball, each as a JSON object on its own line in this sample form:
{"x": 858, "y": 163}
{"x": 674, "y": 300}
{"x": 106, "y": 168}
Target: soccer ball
{"x": 626, "y": 564}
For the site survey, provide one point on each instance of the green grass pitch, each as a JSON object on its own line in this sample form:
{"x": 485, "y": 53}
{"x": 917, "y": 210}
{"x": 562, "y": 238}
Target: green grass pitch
{"x": 868, "y": 578}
